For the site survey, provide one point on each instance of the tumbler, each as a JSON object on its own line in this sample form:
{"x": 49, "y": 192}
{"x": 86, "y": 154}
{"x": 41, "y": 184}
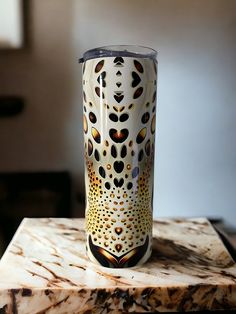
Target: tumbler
{"x": 119, "y": 111}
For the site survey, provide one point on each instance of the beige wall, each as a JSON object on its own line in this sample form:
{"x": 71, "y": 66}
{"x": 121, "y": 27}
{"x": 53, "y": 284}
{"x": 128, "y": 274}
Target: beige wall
{"x": 48, "y": 134}
{"x": 196, "y": 148}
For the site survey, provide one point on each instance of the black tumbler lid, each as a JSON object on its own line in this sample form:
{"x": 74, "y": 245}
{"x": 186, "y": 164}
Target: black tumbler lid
{"x": 119, "y": 51}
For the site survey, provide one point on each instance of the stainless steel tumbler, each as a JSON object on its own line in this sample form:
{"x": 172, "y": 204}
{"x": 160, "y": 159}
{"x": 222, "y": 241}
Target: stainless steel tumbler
{"x": 119, "y": 97}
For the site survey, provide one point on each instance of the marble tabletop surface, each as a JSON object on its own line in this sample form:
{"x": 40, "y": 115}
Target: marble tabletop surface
{"x": 45, "y": 270}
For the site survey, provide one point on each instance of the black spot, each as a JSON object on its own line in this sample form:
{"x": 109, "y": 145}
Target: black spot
{"x": 96, "y": 155}
{"x": 135, "y": 172}
{"x": 90, "y": 104}
{"x": 155, "y": 66}
{"x": 113, "y": 117}
{"x": 113, "y": 151}
{"x": 136, "y": 79}
{"x": 92, "y": 117}
{"x": 138, "y": 93}
{"x": 102, "y": 172}
{"x": 145, "y": 117}
{"x": 154, "y": 96}
{"x": 99, "y": 66}
{"x": 154, "y": 109}
{"x": 129, "y": 185}
{"x": 140, "y": 155}
{"x": 118, "y": 73}
{"x": 118, "y": 84}
{"x": 101, "y": 79}
{"x": 123, "y": 151}
{"x": 90, "y": 147}
{"x": 96, "y": 135}
{"x": 141, "y": 136}
{"x": 85, "y": 124}
{"x": 124, "y": 117}
{"x": 148, "y": 148}
{"x": 118, "y": 166}
{"x": 107, "y": 185}
{"x": 104, "y": 152}
{"x": 85, "y": 98}
{"x": 132, "y": 152}
{"x": 118, "y": 183}
{"x": 98, "y": 92}
{"x": 138, "y": 66}
{"x": 153, "y": 124}
{"x": 118, "y": 136}
{"x": 131, "y": 106}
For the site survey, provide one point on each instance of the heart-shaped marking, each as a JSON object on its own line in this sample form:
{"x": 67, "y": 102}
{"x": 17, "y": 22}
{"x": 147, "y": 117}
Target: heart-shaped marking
{"x": 118, "y": 230}
{"x": 118, "y": 61}
{"x": 118, "y": 166}
{"x": 118, "y": 183}
{"x": 118, "y": 136}
{"x": 101, "y": 79}
{"x": 118, "y": 98}
{"x": 136, "y": 79}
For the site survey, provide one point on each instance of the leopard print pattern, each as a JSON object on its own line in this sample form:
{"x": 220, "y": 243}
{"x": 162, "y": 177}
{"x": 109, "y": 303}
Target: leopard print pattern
{"x": 119, "y": 95}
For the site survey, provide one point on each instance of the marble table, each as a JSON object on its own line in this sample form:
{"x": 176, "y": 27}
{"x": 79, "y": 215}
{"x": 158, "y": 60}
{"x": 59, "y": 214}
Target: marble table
{"x": 45, "y": 270}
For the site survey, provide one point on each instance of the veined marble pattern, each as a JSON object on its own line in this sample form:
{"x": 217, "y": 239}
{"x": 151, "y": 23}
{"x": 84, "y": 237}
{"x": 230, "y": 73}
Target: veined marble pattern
{"x": 45, "y": 270}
